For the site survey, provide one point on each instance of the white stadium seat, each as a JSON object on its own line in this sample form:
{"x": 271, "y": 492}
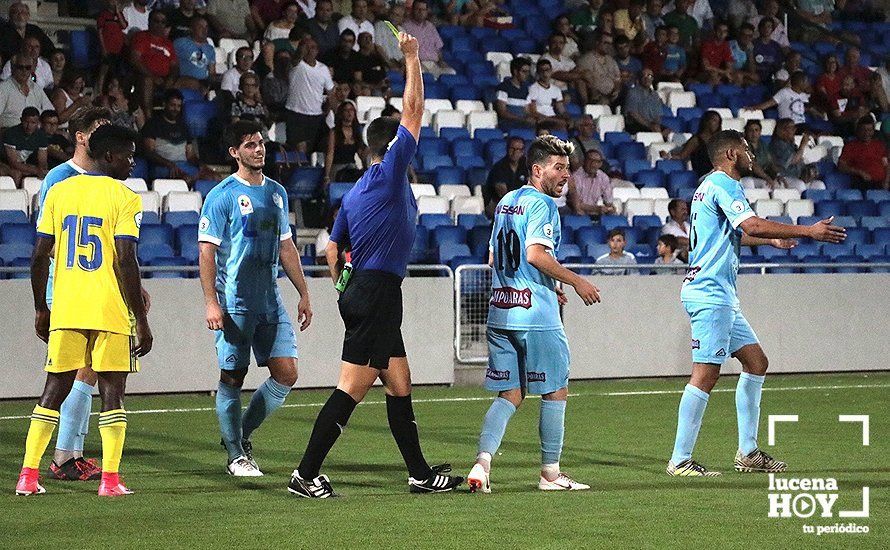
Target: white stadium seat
{"x": 623, "y": 194}
{"x": 467, "y": 106}
{"x": 680, "y": 99}
{"x": 610, "y": 123}
{"x": 661, "y": 208}
{"x": 432, "y": 205}
{"x": 750, "y": 114}
{"x": 14, "y": 199}
{"x": 670, "y": 87}
{"x": 750, "y": 182}
{"x": 653, "y": 152}
{"x": 499, "y": 57}
{"x": 768, "y": 125}
{"x": 179, "y": 201}
{"x": 649, "y": 138}
{"x": 396, "y": 102}
{"x": 503, "y": 70}
{"x": 639, "y": 207}
{"x": 136, "y": 184}
{"x": 754, "y": 195}
{"x": 467, "y": 205}
{"x": 448, "y": 118}
{"x": 436, "y": 105}
{"x": 769, "y": 207}
{"x": 221, "y": 66}
{"x": 796, "y": 208}
{"x": 30, "y": 184}
{"x": 786, "y": 195}
{"x": 423, "y": 190}
{"x": 812, "y": 155}
{"x": 831, "y": 141}
{"x": 653, "y": 193}
{"x": 724, "y": 112}
{"x": 151, "y": 202}
{"x": 373, "y": 113}
{"x": 596, "y": 110}
{"x": 737, "y": 124}
{"x": 481, "y": 119}
{"x": 449, "y": 191}
{"x": 364, "y": 103}
{"x": 232, "y": 44}
{"x": 163, "y": 186}
{"x": 6, "y": 182}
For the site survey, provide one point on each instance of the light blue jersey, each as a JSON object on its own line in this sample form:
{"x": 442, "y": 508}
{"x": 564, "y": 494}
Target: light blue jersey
{"x": 719, "y": 206}
{"x": 247, "y": 223}
{"x": 523, "y": 298}
{"x": 54, "y": 176}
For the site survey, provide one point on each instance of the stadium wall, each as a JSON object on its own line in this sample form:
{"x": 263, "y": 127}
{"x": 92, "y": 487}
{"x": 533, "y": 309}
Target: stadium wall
{"x": 825, "y": 322}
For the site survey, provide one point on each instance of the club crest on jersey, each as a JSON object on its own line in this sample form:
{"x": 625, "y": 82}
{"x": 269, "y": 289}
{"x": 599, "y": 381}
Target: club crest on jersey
{"x": 509, "y": 297}
{"x": 138, "y": 219}
{"x": 204, "y": 224}
{"x": 245, "y": 205}
{"x": 279, "y": 202}
{"x": 738, "y": 207}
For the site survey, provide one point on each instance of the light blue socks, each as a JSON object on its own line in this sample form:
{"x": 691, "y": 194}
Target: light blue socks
{"x": 692, "y": 410}
{"x": 74, "y": 417}
{"x": 747, "y": 404}
{"x": 228, "y": 410}
{"x": 494, "y": 425}
{"x": 266, "y": 399}
{"x": 551, "y": 427}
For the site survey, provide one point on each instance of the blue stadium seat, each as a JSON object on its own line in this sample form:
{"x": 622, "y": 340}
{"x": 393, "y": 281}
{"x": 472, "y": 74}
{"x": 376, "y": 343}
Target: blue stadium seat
{"x": 149, "y": 252}
{"x": 19, "y": 262}
{"x": 857, "y": 235}
{"x": 699, "y": 88}
{"x": 431, "y": 162}
{"x": 176, "y": 219}
{"x": 837, "y": 180}
{"x": 750, "y": 259}
{"x": 576, "y": 221}
{"x": 783, "y": 260}
{"x": 84, "y": 49}
{"x": 770, "y": 252}
{"x": 861, "y": 208}
{"x": 882, "y": 260}
{"x": 449, "y": 174}
{"x": 679, "y": 179}
{"x": 633, "y": 166}
{"x": 590, "y": 235}
{"x": 849, "y": 259}
{"x": 419, "y": 248}
{"x": 458, "y": 261}
{"x": 495, "y": 151}
{"x": 453, "y": 80}
{"x": 728, "y": 90}
{"x": 884, "y": 208}
{"x": 632, "y": 150}
{"x": 689, "y": 113}
{"x": 469, "y": 221}
{"x": 803, "y": 250}
{"x": 845, "y": 221}
{"x": 835, "y": 250}
{"x": 465, "y": 92}
{"x": 152, "y": 234}
{"x": 633, "y": 235}
{"x": 336, "y": 192}
{"x": 869, "y": 251}
{"x": 12, "y": 251}
{"x": 13, "y": 216}
{"x": 427, "y": 132}
{"x": 848, "y": 195}
{"x": 617, "y": 138}
{"x": 611, "y": 221}
{"x": 466, "y": 147}
{"x": 197, "y": 116}
{"x": 477, "y": 176}
{"x": 877, "y": 195}
{"x": 523, "y": 45}
{"x": 451, "y": 134}
{"x": 881, "y": 236}
{"x": 816, "y": 260}
{"x": 449, "y": 234}
{"x": 186, "y": 236}
{"x": 486, "y": 135}
{"x": 670, "y": 165}
{"x": 829, "y": 208}
{"x": 780, "y": 219}
{"x": 651, "y": 235}
{"x": 643, "y": 252}
{"x": 17, "y": 233}
{"x": 448, "y": 251}
{"x": 432, "y": 147}
{"x": 708, "y": 101}
{"x": 818, "y": 195}
{"x": 167, "y": 261}
{"x": 478, "y": 239}
{"x": 204, "y": 187}
{"x": 650, "y": 178}
{"x": 597, "y": 250}
{"x": 525, "y": 134}
{"x": 470, "y": 161}
{"x": 644, "y": 223}
{"x": 569, "y": 252}
{"x": 305, "y": 182}
{"x": 676, "y": 124}
{"x": 432, "y": 221}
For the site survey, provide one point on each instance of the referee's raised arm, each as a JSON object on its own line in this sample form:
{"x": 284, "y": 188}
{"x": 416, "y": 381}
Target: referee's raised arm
{"x": 412, "y": 98}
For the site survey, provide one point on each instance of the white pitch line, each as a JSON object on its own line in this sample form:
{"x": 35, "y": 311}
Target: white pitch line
{"x": 488, "y": 398}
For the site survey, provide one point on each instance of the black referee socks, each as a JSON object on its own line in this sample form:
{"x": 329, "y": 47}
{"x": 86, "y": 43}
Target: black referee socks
{"x": 400, "y": 413}
{"x": 328, "y": 426}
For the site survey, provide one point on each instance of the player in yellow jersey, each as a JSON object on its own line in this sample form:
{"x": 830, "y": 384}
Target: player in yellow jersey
{"x": 90, "y": 224}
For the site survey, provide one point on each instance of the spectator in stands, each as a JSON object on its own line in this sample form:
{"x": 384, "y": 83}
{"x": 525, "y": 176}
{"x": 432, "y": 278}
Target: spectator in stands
{"x": 153, "y": 56}
{"x": 167, "y": 142}
{"x": 768, "y": 54}
{"x": 19, "y": 92}
{"x": 678, "y": 225}
{"x": 42, "y": 74}
{"x": 344, "y": 143}
{"x": 763, "y": 166}
{"x": 57, "y": 62}
{"x": 545, "y": 101}
{"x": 370, "y": 63}
{"x": 275, "y": 86}
{"x": 565, "y": 73}
{"x": 865, "y": 158}
{"x": 628, "y": 65}
{"x": 828, "y": 85}
{"x": 26, "y": 145}
{"x": 111, "y": 25}
{"x": 862, "y": 75}
{"x": 119, "y": 103}
{"x": 263, "y": 12}
{"x": 771, "y": 11}
{"x": 68, "y": 96}
{"x": 589, "y": 186}
{"x": 792, "y": 100}
{"x": 696, "y": 149}
{"x": 788, "y": 156}
{"x": 59, "y": 149}
{"x": 197, "y": 58}
{"x": 179, "y": 18}
{"x": 816, "y": 12}
{"x": 617, "y": 255}
{"x": 248, "y": 104}
{"x": 848, "y": 108}
{"x": 742, "y": 50}
{"x": 233, "y": 18}
{"x": 717, "y": 63}
{"x": 628, "y": 22}
{"x": 879, "y": 98}
{"x": 668, "y": 250}
{"x": 686, "y": 24}
{"x": 586, "y": 140}
{"x": 340, "y": 93}
{"x": 643, "y": 106}
{"x": 740, "y": 11}
{"x": 604, "y": 80}
{"x": 652, "y": 19}
{"x": 507, "y": 174}
{"x": 231, "y": 79}
{"x": 344, "y": 60}
{"x": 280, "y": 28}
{"x": 791, "y": 65}
{"x": 322, "y": 27}
{"x": 428, "y": 39}
{"x": 136, "y": 15}
{"x": 511, "y": 99}
{"x": 585, "y": 19}
{"x": 305, "y": 114}
{"x": 383, "y": 37}
{"x": 563, "y": 26}
{"x": 357, "y": 21}
{"x": 606, "y": 23}
{"x": 674, "y": 66}
{"x": 14, "y": 32}
{"x": 655, "y": 52}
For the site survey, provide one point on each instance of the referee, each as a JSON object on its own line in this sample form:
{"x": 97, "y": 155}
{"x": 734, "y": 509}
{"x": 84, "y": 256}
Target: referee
{"x": 377, "y": 222}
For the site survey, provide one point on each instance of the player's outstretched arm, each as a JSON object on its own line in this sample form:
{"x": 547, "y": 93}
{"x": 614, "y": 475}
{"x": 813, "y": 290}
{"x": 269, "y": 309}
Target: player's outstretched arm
{"x": 748, "y": 240}
{"x": 207, "y": 268}
{"x": 126, "y": 268}
{"x": 820, "y": 231}
{"x": 412, "y": 98}
{"x": 290, "y": 261}
{"x": 544, "y": 262}
{"x": 43, "y": 249}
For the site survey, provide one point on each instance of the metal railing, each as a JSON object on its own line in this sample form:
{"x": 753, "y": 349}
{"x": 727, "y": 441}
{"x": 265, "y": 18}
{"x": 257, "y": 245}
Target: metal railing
{"x": 413, "y": 270}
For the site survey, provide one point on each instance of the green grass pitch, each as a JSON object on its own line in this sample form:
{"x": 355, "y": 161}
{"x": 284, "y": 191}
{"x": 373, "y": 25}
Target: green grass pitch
{"x": 617, "y": 443}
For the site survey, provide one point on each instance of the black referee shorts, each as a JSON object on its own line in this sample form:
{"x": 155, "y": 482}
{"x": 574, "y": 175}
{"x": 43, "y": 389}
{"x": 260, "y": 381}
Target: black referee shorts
{"x": 371, "y": 309}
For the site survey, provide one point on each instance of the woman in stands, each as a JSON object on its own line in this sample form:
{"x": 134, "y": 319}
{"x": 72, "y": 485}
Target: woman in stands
{"x": 344, "y": 142}
{"x": 118, "y": 102}
{"x": 564, "y": 26}
{"x": 828, "y": 85}
{"x": 248, "y": 104}
{"x": 280, "y": 28}
{"x": 696, "y": 149}
{"x": 68, "y": 96}
{"x": 57, "y": 62}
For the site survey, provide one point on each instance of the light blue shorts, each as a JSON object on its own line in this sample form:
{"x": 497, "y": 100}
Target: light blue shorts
{"x": 269, "y": 334}
{"x": 537, "y": 360}
{"x": 717, "y": 332}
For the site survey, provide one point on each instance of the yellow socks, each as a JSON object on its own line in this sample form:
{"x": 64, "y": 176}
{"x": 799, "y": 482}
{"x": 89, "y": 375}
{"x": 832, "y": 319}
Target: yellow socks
{"x": 43, "y": 422}
{"x": 113, "y": 428}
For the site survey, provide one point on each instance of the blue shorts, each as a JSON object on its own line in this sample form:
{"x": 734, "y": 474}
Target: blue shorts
{"x": 537, "y": 360}
{"x": 269, "y": 334}
{"x": 717, "y": 332}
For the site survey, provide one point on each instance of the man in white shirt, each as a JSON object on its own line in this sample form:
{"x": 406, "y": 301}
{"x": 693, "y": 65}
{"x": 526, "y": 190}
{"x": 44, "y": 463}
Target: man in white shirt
{"x": 678, "y": 224}
{"x": 565, "y": 73}
{"x": 231, "y": 79}
{"x": 545, "y": 99}
{"x": 19, "y": 92}
{"x": 42, "y": 74}
{"x": 358, "y": 21}
{"x": 791, "y": 101}
{"x": 136, "y": 15}
{"x": 305, "y": 106}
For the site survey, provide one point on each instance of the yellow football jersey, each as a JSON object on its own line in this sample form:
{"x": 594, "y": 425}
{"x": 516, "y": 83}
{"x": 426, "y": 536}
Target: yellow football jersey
{"x": 85, "y": 214}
